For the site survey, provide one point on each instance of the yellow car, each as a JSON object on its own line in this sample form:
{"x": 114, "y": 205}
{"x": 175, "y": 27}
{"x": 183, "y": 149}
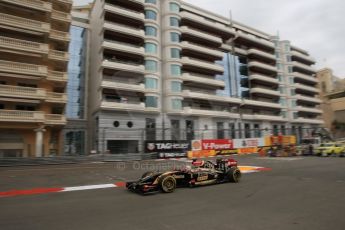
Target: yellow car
{"x": 331, "y": 148}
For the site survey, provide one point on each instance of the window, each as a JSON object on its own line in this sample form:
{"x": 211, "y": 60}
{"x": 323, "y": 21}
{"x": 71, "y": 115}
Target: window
{"x": 176, "y": 86}
{"x": 150, "y": 65}
{"x": 293, "y": 103}
{"x": 150, "y": 31}
{"x": 174, "y": 7}
{"x": 292, "y": 80}
{"x": 290, "y": 69}
{"x": 149, "y": 14}
{"x": 151, "y": 101}
{"x": 175, "y": 129}
{"x": 150, "y": 48}
{"x": 282, "y": 90}
{"x": 283, "y": 114}
{"x": 151, "y": 83}
{"x": 277, "y": 55}
{"x": 175, "y": 70}
{"x": 174, "y": 37}
{"x": 175, "y": 53}
{"x": 282, "y": 102}
{"x": 288, "y": 58}
{"x": 176, "y": 104}
{"x": 287, "y": 47}
{"x": 257, "y": 131}
{"x": 280, "y": 78}
{"x": 293, "y": 93}
{"x": 151, "y": 1}
{"x": 279, "y": 66}
{"x": 295, "y": 115}
{"x": 247, "y": 130}
{"x": 174, "y": 22}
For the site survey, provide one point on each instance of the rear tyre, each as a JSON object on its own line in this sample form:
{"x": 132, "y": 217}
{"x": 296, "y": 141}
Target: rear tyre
{"x": 148, "y": 173}
{"x": 234, "y": 175}
{"x": 168, "y": 184}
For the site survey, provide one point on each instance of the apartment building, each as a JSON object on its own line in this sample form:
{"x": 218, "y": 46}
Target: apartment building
{"x": 34, "y": 37}
{"x": 332, "y": 92}
{"x": 171, "y": 70}
{"x": 76, "y": 129}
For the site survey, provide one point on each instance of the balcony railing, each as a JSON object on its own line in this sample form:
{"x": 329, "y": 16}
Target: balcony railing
{"x": 307, "y": 88}
{"x": 56, "y": 97}
{"x": 199, "y": 79}
{"x": 305, "y": 77}
{"x": 270, "y": 68}
{"x": 127, "y": 67}
{"x": 57, "y": 76}
{"x": 58, "y": 55}
{"x": 256, "y": 40}
{"x": 124, "y": 12}
{"x": 202, "y": 64}
{"x": 210, "y": 97}
{"x": 201, "y": 49}
{"x": 308, "y": 109}
{"x": 209, "y": 113}
{"x": 258, "y": 77}
{"x": 124, "y": 47}
{"x": 24, "y": 23}
{"x": 308, "y": 99}
{"x": 21, "y": 116}
{"x": 59, "y": 35}
{"x": 23, "y": 68}
{"x": 259, "y": 90}
{"x": 262, "y": 54}
{"x": 22, "y": 92}
{"x": 308, "y": 120}
{"x": 303, "y": 57}
{"x": 61, "y": 16}
{"x": 108, "y": 105}
{"x": 262, "y": 117}
{"x": 23, "y": 45}
{"x": 200, "y": 34}
{"x": 304, "y": 67}
{"x": 256, "y": 103}
{"x": 124, "y": 29}
{"x": 34, "y": 4}
{"x": 55, "y": 119}
{"x": 123, "y": 86}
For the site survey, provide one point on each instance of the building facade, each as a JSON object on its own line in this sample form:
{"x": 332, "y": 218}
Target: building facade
{"x": 76, "y": 129}
{"x": 34, "y": 38}
{"x": 332, "y": 92}
{"x": 170, "y": 70}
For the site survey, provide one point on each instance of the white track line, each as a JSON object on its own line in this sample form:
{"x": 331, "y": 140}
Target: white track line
{"x": 88, "y": 187}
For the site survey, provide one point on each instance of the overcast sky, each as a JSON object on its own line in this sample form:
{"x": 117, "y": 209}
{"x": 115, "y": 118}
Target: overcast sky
{"x": 317, "y": 26}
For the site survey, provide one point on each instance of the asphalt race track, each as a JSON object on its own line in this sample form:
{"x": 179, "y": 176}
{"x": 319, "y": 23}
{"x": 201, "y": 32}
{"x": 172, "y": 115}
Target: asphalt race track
{"x": 298, "y": 193}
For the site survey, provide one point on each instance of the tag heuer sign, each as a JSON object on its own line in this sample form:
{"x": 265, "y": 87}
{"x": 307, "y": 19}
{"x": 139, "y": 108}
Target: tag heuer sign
{"x": 166, "y": 146}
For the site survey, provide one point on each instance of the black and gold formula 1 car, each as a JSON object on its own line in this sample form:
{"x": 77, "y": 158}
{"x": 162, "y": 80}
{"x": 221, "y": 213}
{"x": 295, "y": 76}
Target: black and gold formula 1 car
{"x": 199, "y": 173}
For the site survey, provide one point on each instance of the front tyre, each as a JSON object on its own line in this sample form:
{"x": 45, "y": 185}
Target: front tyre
{"x": 234, "y": 175}
{"x": 168, "y": 184}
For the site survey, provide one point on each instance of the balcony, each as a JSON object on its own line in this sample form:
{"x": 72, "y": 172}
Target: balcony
{"x": 255, "y": 41}
{"x": 201, "y": 80}
{"x": 255, "y": 103}
{"x": 207, "y": 24}
{"x": 200, "y": 34}
{"x": 307, "y": 99}
{"x": 22, "y": 92}
{"x": 123, "y": 86}
{"x": 124, "y": 47}
{"x": 261, "y": 55}
{"x": 126, "y": 67}
{"x": 55, "y": 119}
{"x": 21, "y": 116}
{"x": 202, "y": 49}
{"x": 262, "y": 66}
{"x": 59, "y": 35}
{"x": 258, "y": 90}
{"x": 303, "y": 57}
{"x": 306, "y": 88}
{"x": 58, "y": 55}
{"x": 56, "y": 97}
{"x": 262, "y": 78}
{"x": 68, "y": 2}
{"x": 23, "y": 23}
{"x": 303, "y": 67}
{"x": 308, "y": 121}
{"x": 308, "y": 110}
{"x": 57, "y": 76}
{"x": 32, "y": 4}
{"x": 123, "y": 29}
{"x": 199, "y": 64}
{"x": 61, "y": 16}
{"x": 262, "y": 117}
{"x": 124, "y": 12}
{"x": 22, "y": 45}
{"x": 107, "y": 105}
{"x": 22, "y": 68}
{"x": 305, "y": 77}
{"x": 210, "y": 97}
{"x": 209, "y": 113}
